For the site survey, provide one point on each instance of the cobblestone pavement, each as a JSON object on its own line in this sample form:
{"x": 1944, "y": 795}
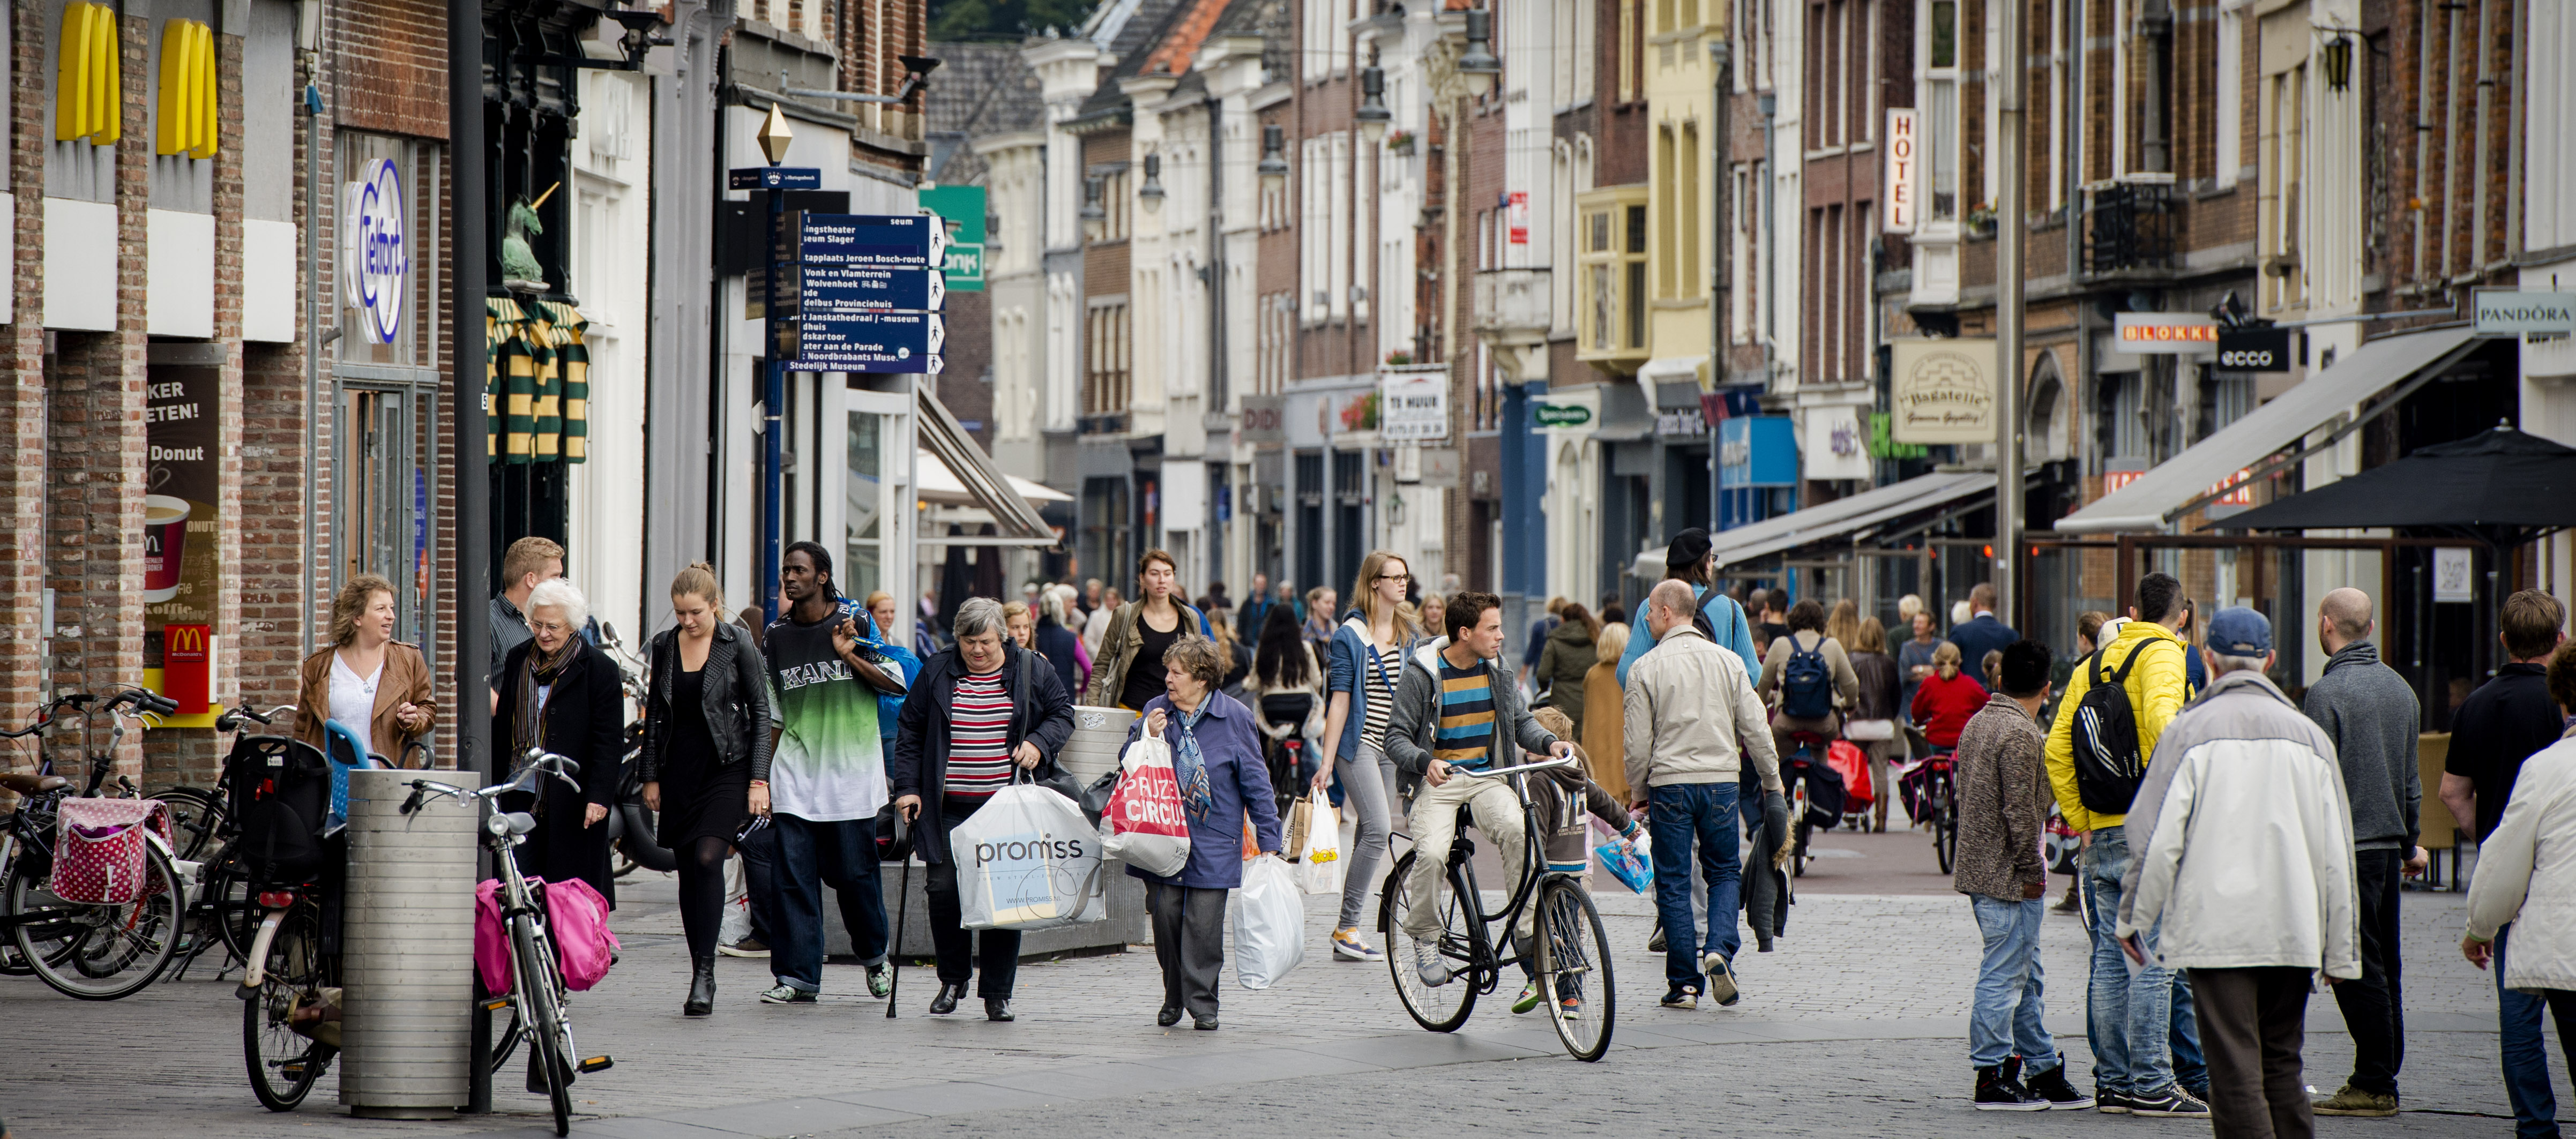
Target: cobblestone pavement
{"x": 1855, "y": 1025}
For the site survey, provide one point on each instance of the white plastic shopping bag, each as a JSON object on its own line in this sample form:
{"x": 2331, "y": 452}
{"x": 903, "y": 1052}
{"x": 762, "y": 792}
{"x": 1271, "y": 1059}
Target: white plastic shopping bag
{"x": 1320, "y": 872}
{"x": 1144, "y": 827}
{"x": 1028, "y": 859}
{"x": 737, "y": 908}
{"x": 1269, "y": 924}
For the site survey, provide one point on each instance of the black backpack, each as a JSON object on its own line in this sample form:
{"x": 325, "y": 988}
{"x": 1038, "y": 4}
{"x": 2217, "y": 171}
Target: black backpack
{"x": 281, "y": 795}
{"x": 2104, "y": 737}
{"x": 1806, "y": 685}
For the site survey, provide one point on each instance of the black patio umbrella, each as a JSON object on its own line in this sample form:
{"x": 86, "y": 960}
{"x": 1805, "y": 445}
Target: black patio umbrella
{"x": 2499, "y": 487}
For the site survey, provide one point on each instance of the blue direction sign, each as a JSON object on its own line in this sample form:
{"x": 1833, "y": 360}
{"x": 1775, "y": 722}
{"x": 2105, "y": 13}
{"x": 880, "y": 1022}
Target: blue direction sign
{"x": 904, "y": 241}
{"x": 776, "y": 178}
{"x": 830, "y": 290}
{"x": 865, "y": 342}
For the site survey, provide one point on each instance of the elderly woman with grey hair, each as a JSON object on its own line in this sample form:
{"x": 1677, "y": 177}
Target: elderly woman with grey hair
{"x": 560, "y": 693}
{"x": 1216, "y": 756}
{"x": 980, "y": 715}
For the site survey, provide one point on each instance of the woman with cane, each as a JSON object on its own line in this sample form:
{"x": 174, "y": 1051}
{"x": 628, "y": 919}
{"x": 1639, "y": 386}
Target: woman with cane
{"x": 979, "y": 713}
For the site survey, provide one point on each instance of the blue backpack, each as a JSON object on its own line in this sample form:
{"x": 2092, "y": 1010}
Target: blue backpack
{"x": 1806, "y": 685}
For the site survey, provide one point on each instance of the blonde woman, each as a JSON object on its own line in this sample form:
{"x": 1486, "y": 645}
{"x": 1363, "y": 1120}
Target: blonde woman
{"x": 1844, "y": 625}
{"x": 1604, "y": 719}
{"x": 371, "y": 683}
{"x": 1022, "y": 622}
{"x": 1947, "y": 699}
{"x": 705, "y": 762}
{"x": 1365, "y": 657}
{"x": 1873, "y": 717}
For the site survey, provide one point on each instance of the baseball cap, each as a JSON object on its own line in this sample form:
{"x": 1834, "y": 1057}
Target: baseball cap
{"x": 2237, "y": 631}
{"x": 1688, "y": 549}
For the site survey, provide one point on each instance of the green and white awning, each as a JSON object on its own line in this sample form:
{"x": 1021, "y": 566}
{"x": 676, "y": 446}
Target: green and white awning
{"x": 536, "y": 394}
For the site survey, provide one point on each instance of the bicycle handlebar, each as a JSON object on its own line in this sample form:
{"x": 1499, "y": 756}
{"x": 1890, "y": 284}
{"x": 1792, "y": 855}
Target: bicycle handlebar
{"x": 541, "y": 763}
{"x": 1517, "y": 769}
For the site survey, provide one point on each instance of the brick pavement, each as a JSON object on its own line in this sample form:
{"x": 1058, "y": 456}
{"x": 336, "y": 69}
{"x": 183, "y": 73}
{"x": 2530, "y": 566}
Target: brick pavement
{"x": 1885, "y": 978}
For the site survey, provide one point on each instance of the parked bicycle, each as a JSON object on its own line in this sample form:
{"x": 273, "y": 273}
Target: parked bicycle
{"x": 537, "y": 995}
{"x": 1569, "y": 953}
{"x": 97, "y": 951}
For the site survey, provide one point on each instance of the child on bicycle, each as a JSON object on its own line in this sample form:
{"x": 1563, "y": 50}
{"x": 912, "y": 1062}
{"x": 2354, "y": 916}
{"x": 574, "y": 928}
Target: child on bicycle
{"x": 1563, "y": 795}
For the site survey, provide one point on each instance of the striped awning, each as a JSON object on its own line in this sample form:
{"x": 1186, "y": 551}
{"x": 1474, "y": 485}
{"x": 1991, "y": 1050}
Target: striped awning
{"x": 536, "y": 393}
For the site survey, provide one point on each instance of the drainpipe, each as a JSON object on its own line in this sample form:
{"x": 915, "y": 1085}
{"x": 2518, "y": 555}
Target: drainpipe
{"x": 1721, "y": 287}
{"x": 310, "y": 31}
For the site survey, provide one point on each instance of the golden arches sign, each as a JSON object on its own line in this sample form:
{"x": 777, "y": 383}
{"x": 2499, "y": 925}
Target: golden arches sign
{"x": 87, "y": 82}
{"x": 184, "y": 118}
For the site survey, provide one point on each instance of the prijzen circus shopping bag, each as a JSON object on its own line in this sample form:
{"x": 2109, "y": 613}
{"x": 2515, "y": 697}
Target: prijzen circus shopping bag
{"x": 1026, "y": 860}
{"x": 1144, "y": 827}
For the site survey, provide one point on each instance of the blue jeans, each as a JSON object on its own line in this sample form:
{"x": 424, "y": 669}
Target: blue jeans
{"x": 810, "y": 855}
{"x": 1678, "y": 815}
{"x": 2526, "y": 1053}
{"x": 2004, "y": 1020}
{"x": 2128, "y": 1016}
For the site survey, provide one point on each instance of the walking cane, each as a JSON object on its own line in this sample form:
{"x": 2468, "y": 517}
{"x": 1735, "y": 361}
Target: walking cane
{"x": 902, "y": 900}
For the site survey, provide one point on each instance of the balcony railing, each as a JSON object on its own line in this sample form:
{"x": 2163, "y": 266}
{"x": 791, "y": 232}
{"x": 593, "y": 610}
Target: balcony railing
{"x": 2131, "y": 228}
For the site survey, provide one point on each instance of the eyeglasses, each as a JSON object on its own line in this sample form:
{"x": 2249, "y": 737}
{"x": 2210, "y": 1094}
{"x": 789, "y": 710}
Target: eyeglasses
{"x": 1395, "y": 577}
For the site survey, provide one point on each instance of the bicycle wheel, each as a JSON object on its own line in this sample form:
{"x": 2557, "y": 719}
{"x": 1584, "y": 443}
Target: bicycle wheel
{"x": 285, "y": 1063}
{"x": 197, "y": 819}
{"x": 506, "y": 1031}
{"x": 1798, "y": 831}
{"x": 227, "y": 902}
{"x": 1440, "y": 1008}
{"x": 1945, "y": 823}
{"x": 99, "y": 952}
{"x": 1574, "y": 968}
{"x": 541, "y": 997}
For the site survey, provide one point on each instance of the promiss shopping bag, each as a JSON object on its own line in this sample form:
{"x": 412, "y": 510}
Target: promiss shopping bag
{"x": 1028, "y": 860}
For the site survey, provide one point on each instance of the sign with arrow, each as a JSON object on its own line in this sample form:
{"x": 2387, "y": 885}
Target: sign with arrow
{"x": 916, "y": 241}
{"x": 865, "y": 342}
{"x": 829, "y": 290}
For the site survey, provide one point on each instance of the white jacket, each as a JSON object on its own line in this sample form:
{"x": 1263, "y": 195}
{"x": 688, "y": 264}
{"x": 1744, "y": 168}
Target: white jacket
{"x": 2527, "y": 873}
{"x": 2240, "y": 839}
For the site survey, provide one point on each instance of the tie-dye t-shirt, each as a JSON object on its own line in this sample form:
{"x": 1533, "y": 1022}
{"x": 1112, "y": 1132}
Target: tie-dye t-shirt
{"x": 830, "y": 763}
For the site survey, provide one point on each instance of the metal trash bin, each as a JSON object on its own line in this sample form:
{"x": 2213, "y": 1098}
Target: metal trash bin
{"x": 407, "y": 948}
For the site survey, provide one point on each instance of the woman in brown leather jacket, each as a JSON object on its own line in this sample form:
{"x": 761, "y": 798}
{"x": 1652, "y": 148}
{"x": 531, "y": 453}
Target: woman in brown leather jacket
{"x": 367, "y": 680}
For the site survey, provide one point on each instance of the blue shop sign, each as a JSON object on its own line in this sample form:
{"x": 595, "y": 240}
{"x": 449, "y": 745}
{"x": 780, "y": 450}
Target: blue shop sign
{"x": 1757, "y": 451}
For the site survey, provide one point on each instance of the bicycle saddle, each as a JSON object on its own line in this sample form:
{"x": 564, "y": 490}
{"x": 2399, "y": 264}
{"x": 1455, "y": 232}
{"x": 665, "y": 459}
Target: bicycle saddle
{"x": 32, "y": 784}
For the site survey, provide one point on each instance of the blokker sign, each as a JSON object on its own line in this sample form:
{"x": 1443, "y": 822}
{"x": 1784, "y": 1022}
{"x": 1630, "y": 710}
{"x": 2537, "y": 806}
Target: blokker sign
{"x": 2514, "y": 312}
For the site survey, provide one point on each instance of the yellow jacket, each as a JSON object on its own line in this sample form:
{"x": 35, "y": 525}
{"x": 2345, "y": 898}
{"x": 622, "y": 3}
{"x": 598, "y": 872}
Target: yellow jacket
{"x": 2157, "y": 688}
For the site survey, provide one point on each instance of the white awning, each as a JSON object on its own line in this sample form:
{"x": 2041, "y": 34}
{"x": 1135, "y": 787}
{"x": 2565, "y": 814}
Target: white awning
{"x": 940, "y": 485}
{"x": 1836, "y": 519}
{"x": 2152, "y": 502}
{"x": 982, "y": 484}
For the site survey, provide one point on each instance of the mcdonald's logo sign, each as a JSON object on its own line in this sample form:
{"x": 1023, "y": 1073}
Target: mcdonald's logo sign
{"x": 184, "y": 116}
{"x": 87, "y": 82}
{"x": 183, "y": 643}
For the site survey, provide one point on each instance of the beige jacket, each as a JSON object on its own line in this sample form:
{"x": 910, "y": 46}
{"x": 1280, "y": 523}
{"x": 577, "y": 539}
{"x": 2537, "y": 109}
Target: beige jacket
{"x": 1690, "y": 714}
{"x": 1846, "y": 682}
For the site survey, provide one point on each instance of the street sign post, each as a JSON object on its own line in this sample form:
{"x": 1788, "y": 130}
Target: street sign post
{"x": 827, "y": 290}
{"x": 775, "y": 178}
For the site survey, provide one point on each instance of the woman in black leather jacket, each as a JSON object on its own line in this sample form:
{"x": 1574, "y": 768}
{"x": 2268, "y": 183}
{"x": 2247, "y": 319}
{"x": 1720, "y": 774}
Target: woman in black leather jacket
{"x": 705, "y": 765}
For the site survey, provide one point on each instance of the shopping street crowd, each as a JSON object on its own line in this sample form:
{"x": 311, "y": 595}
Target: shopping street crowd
{"x": 2233, "y": 845}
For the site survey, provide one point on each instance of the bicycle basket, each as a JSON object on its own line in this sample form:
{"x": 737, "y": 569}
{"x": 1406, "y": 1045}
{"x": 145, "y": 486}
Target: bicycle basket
{"x": 100, "y": 849}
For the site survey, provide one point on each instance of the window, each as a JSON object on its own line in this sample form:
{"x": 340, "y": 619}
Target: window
{"x": 1629, "y": 49}
{"x": 1688, "y": 204}
{"x": 2231, "y": 92}
{"x": 1664, "y": 194}
{"x": 1612, "y": 252}
{"x": 1108, "y": 348}
{"x": 1338, "y": 236}
{"x": 1941, "y": 115}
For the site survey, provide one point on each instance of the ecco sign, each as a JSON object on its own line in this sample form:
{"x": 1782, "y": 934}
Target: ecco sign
{"x": 2514, "y": 312}
{"x": 2254, "y": 350}
{"x": 376, "y": 250}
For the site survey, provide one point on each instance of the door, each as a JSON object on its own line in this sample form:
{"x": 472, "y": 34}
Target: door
{"x": 877, "y": 462}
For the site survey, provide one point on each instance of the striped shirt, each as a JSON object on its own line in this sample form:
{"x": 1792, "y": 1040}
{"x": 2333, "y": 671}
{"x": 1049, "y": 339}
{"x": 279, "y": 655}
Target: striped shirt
{"x": 1380, "y": 686}
{"x": 979, "y": 745}
{"x": 1466, "y": 736}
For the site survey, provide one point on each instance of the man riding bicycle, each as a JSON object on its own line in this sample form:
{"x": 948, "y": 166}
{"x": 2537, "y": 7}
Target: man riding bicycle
{"x": 1457, "y": 710}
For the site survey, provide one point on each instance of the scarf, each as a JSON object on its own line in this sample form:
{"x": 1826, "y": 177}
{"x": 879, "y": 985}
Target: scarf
{"x": 1189, "y": 765}
{"x": 526, "y": 730}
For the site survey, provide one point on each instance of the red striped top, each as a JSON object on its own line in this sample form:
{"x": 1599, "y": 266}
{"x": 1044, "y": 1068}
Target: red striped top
{"x": 979, "y": 751}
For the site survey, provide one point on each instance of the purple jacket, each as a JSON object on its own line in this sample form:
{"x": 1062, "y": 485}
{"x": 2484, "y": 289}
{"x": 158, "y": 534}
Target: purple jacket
{"x": 1238, "y": 781}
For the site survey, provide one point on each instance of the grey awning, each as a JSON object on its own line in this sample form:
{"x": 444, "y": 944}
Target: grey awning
{"x": 2161, "y": 495}
{"x": 1013, "y": 515}
{"x": 1837, "y": 519}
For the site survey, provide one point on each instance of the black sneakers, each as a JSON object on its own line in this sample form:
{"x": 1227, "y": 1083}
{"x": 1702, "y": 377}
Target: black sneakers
{"x": 2051, "y": 1086}
{"x": 2171, "y": 1103}
{"x": 1995, "y": 1092}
